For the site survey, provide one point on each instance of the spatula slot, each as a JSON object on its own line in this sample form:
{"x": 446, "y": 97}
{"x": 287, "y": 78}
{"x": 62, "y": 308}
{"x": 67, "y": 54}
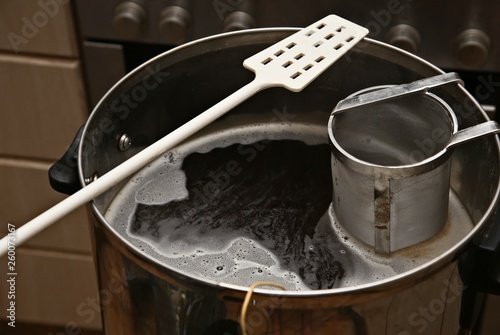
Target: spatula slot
{"x": 287, "y": 64}
{"x": 338, "y": 46}
{"x": 339, "y": 29}
{"x": 321, "y": 26}
{"x": 291, "y": 45}
{"x": 309, "y": 33}
{"x": 267, "y": 60}
{"x": 329, "y": 36}
{"x": 319, "y": 59}
{"x": 295, "y": 75}
{"x": 307, "y": 67}
{"x": 317, "y": 44}
{"x": 299, "y": 56}
{"x": 349, "y": 39}
{"x": 279, "y": 53}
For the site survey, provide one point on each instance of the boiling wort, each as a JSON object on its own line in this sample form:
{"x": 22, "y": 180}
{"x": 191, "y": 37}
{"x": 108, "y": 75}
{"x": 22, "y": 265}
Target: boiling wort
{"x": 253, "y": 204}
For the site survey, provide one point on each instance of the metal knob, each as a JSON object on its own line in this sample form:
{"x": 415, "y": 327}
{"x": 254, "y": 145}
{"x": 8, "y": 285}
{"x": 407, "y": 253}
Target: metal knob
{"x": 129, "y": 19}
{"x": 238, "y": 20}
{"x": 175, "y": 24}
{"x": 404, "y": 37}
{"x": 472, "y": 47}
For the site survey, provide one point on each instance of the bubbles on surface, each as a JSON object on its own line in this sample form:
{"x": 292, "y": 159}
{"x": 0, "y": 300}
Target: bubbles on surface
{"x": 242, "y": 253}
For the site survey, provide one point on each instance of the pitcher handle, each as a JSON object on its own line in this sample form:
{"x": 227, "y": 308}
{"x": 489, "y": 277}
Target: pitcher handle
{"x": 474, "y": 132}
{"x": 393, "y": 92}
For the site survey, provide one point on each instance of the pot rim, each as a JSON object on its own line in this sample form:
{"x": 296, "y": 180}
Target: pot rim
{"x": 412, "y": 275}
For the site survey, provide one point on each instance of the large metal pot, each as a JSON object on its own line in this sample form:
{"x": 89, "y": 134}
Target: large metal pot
{"x": 142, "y": 295}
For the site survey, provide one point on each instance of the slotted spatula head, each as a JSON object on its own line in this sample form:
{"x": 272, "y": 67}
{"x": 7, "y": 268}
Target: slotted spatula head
{"x": 298, "y": 59}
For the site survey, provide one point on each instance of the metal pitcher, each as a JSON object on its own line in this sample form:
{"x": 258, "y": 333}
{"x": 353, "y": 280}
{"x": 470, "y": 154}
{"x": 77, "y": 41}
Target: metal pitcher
{"x": 391, "y": 161}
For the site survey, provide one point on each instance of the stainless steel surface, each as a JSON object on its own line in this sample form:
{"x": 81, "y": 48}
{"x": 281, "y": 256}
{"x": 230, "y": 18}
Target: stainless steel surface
{"x": 472, "y": 47}
{"x": 124, "y": 143}
{"x": 474, "y": 132}
{"x": 390, "y": 159}
{"x": 175, "y": 24}
{"x": 91, "y": 179}
{"x": 389, "y": 192}
{"x": 439, "y": 24}
{"x": 238, "y": 21}
{"x": 153, "y": 298}
{"x": 404, "y": 37}
{"x": 129, "y": 19}
{"x": 374, "y": 95}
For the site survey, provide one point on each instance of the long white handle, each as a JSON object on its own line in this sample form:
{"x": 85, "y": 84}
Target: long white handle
{"x": 130, "y": 166}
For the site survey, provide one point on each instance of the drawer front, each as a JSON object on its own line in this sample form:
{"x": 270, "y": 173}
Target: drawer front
{"x": 43, "y": 105}
{"x": 38, "y": 26}
{"x": 52, "y": 288}
{"x": 25, "y": 194}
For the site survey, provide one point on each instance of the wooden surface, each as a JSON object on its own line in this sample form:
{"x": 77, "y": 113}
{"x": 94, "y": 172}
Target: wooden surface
{"x": 37, "y": 27}
{"x": 41, "y": 329}
{"x": 53, "y": 288}
{"x": 27, "y": 193}
{"x": 43, "y": 105}
{"x": 56, "y": 273}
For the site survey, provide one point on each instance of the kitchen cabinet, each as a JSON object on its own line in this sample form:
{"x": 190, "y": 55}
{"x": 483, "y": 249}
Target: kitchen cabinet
{"x": 53, "y": 288}
{"x": 44, "y": 27}
{"x": 43, "y": 103}
{"x": 29, "y": 195}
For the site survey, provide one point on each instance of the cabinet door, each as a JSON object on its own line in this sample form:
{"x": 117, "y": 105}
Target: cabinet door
{"x": 37, "y": 26}
{"x": 55, "y": 282}
{"x": 52, "y": 288}
{"x": 43, "y": 105}
{"x": 25, "y": 194}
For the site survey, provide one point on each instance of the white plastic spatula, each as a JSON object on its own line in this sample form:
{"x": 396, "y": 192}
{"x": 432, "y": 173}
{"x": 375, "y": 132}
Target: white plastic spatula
{"x": 291, "y": 63}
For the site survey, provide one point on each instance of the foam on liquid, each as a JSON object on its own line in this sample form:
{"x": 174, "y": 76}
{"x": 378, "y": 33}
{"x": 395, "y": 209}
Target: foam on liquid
{"x": 210, "y": 209}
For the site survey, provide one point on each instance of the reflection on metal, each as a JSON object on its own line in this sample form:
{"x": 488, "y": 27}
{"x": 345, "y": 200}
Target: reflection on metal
{"x": 124, "y": 142}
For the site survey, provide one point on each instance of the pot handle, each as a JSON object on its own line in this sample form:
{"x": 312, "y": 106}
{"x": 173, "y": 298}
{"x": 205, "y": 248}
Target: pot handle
{"x": 479, "y": 269}
{"x": 473, "y": 132}
{"x": 63, "y": 174}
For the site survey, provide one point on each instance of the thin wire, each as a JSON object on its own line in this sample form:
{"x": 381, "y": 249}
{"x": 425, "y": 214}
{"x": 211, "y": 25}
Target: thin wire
{"x": 246, "y": 302}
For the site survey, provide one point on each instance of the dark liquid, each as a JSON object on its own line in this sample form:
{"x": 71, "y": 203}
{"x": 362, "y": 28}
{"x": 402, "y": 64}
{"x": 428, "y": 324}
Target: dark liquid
{"x": 271, "y": 192}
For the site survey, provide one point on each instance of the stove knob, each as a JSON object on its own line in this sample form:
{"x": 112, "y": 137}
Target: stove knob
{"x": 472, "y": 47}
{"x": 238, "y": 20}
{"x": 404, "y": 37}
{"x": 129, "y": 19}
{"x": 175, "y": 24}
